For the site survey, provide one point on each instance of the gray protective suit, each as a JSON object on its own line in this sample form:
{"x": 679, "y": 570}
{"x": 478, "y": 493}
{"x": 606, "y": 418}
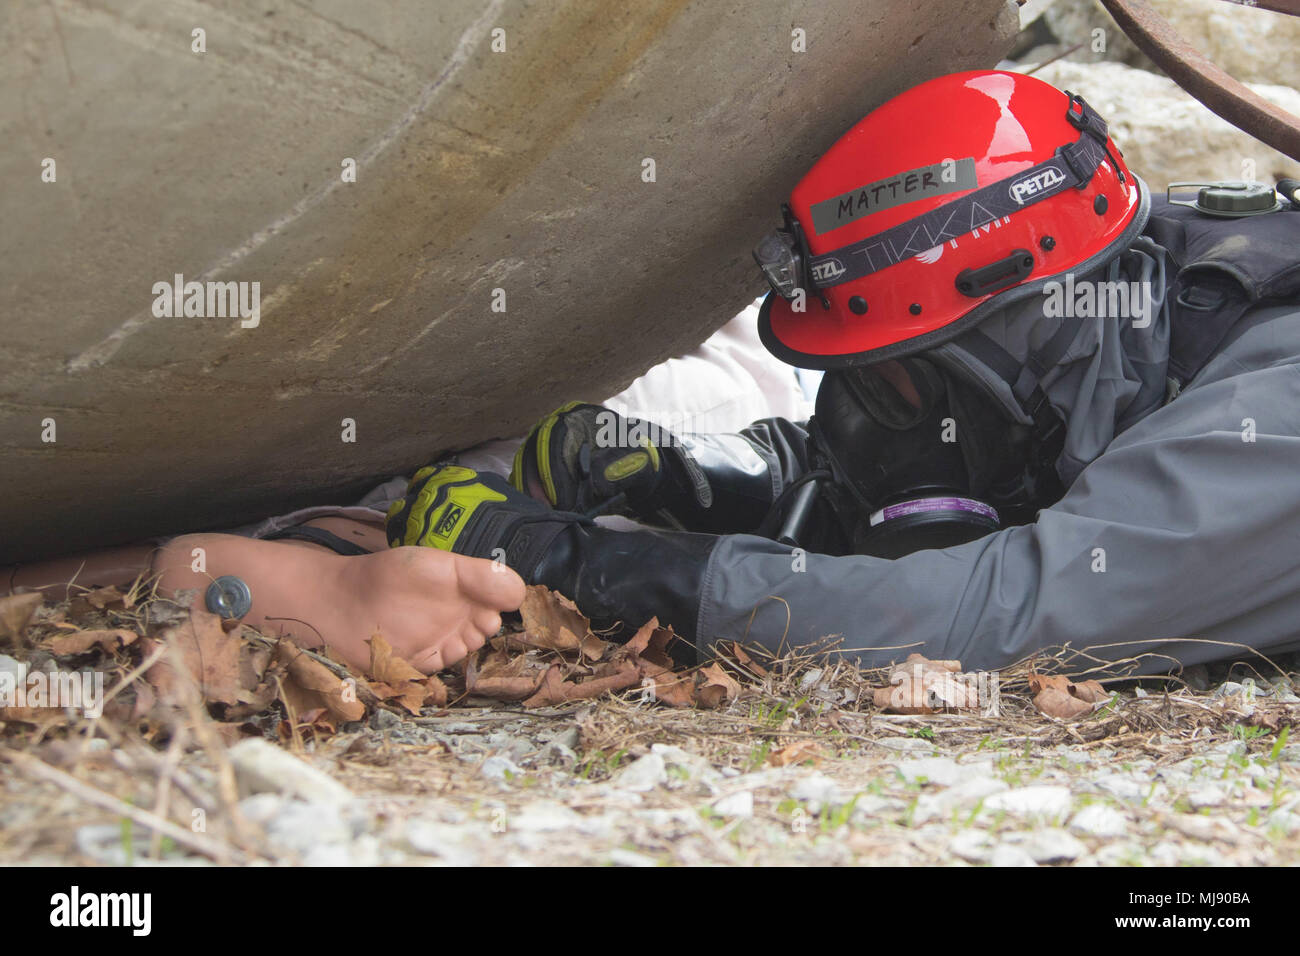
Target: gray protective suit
{"x": 1178, "y": 535}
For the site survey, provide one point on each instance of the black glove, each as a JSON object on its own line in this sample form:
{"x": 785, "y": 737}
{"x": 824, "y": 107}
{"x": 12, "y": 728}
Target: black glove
{"x": 478, "y": 514}
{"x": 590, "y": 459}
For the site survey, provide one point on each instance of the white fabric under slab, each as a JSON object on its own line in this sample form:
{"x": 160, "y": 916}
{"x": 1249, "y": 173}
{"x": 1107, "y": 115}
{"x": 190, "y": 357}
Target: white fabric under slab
{"x": 722, "y": 386}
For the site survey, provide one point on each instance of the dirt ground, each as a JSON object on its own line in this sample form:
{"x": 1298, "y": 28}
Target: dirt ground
{"x": 797, "y": 767}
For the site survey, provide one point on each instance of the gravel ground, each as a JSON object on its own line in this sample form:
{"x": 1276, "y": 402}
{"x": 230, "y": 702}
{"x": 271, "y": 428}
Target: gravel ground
{"x": 797, "y": 765}
{"x": 501, "y": 787}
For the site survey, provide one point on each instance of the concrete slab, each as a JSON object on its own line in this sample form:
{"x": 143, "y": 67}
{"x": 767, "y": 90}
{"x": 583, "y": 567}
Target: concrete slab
{"x": 476, "y": 171}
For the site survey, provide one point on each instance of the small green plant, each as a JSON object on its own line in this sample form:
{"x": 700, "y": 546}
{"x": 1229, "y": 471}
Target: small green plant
{"x": 1245, "y": 733}
{"x": 714, "y": 819}
{"x": 925, "y": 733}
{"x": 835, "y": 817}
{"x": 758, "y": 756}
{"x": 1279, "y": 744}
{"x": 128, "y": 841}
{"x": 1109, "y": 708}
{"x": 910, "y": 812}
{"x": 602, "y": 762}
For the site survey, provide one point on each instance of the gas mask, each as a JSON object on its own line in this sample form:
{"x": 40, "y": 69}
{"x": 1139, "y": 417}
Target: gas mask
{"x": 921, "y": 459}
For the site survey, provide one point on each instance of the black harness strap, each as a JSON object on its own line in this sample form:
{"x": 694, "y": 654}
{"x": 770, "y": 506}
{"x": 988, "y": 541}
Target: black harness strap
{"x": 319, "y": 536}
{"x": 1025, "y": 380}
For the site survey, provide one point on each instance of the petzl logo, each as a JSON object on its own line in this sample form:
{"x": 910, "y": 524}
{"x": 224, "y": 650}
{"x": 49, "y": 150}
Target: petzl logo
{"x": 827, "y": 270}
{"x": 447, "y": 523}
{"x": 1046, "y": 178}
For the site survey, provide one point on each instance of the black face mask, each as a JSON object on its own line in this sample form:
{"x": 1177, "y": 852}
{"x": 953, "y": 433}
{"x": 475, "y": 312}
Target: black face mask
{"x": 920, "y": 459}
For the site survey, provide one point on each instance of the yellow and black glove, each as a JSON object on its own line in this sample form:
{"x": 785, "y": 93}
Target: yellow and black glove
{"x": 477, "y": 514}
{"x": 589, "y": 459}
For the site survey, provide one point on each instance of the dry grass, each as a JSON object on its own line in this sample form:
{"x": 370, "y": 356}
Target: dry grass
{"x": 802, "y": 706}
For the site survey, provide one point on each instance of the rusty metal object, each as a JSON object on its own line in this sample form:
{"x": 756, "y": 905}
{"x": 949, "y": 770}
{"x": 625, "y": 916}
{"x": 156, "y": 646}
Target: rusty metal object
{"x": 1277, "y": 6}
{"x": 1200, "y": 77}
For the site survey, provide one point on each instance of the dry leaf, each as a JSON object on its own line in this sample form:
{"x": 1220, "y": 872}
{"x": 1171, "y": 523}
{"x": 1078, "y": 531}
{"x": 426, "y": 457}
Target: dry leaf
{"x": 81, "y": 641}
{"x": 555, "y": 690}
{"x": 396, "y": 679}
{"x": 103, "y": 597}
{"x": 501, "y": 676}
{"x": 552, "y": 621}
{"x": 923, "y": 686}
{"x": 204, "y": 649}
{"x": 386, "y": 666}
{"x": 651, "y": 643}
{"x": 747, "y": 662}
{"x": 676, "y": 689}
{"x": 1055, "y": 702}
{"x": 1057, "y": 696}
{"x": 797, "y": 752}
{"x": 1275, "y": 716}
{"x": 310, "y": 684}
{"x": 716, "y": 687}
{"x": 16, "y": 612}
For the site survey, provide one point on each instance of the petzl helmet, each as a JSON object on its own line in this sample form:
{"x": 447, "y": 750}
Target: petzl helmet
{"x": 943, "y": 203}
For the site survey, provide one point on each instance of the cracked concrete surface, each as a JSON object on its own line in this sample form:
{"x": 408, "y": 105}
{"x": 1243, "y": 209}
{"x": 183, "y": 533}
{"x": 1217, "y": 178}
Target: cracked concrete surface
{"x": 477, "y": 170}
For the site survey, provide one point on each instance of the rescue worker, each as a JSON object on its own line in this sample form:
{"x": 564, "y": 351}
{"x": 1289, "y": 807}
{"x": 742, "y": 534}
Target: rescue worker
{"x": 1056, "y": 410}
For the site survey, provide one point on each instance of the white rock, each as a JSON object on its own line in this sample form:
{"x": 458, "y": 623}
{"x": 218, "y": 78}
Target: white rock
{"x": 103, "y": 843}
{"x": 498, "y": 767}
{"x": 301, "y": 827}
{"x": 621, "y": 857}
{"x": 1208, "y": 795}
{"x": 869, "y": 806}
{"x": 261, "y": 807}
{"x": 736, "y": 805}
{"x": 645, "y": 773}
{"x": 1166, "y": 854}
{"x": 942, "y": 804}
{"x": 943, "y": 771}
{"x": 1007, "y": 855}
{"x": 696, "y": 766}
{"x": 262, "y": 767}
{"x": 1284, "y": 821}
{"x": 971, "y": 845}
{"x": 1037, "y": 801}
{"x": 1205, "y": 828}
{"x": 1120, "y": 786}
{"x": 329, "y": 854}
{"x": 818, "y": 790}
{"x": 680, "y": 819}
{"x": 1099, "y": 820}
{"x": 437, "y": 839}
{"x": 1052, "y": 846}
{"x": 543, "y": 817}
{"x": 1168, "y": 136}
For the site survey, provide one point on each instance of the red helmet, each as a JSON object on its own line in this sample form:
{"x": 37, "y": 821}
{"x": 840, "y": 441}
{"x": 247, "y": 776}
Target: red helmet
{"x": 925, "y": 214}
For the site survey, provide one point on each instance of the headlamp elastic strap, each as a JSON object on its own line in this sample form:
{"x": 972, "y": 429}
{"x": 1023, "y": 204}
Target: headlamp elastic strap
{"x": 1072, "y": 166}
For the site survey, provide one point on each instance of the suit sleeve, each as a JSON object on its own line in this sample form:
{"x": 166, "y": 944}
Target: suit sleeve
{"x": 1181, "y": 543}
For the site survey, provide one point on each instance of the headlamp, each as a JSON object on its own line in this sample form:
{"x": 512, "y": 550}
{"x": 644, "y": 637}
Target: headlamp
{"x": 778, "y": 257}
{"x": 783, "y": 256}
